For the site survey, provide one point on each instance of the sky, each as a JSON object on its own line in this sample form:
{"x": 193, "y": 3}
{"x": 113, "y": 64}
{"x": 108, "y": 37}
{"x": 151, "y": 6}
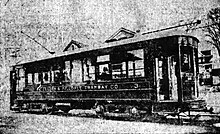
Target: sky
{"x": 54, "y": 23}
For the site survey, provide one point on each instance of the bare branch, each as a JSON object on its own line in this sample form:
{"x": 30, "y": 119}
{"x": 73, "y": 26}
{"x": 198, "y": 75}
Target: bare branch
{"x": 6, "y": 2}
{"x": 213, "y": 29}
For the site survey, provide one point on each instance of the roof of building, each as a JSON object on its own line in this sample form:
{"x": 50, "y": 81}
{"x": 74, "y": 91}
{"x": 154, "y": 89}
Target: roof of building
{"x": 75, "y": 43}
{"x": 121, "y": 33}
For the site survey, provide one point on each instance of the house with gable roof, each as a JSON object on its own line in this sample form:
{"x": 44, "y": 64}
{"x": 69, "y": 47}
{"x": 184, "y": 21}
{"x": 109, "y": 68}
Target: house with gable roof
{"x": 122, "y": 33}
{"x": 74, "y": 45}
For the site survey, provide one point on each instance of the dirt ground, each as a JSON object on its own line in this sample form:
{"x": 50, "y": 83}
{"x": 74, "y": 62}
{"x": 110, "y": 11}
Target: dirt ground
{"x": 23, "y": 123}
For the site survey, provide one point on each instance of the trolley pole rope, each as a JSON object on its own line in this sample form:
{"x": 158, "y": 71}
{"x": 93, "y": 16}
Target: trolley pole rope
{"x": 197, "y": 22}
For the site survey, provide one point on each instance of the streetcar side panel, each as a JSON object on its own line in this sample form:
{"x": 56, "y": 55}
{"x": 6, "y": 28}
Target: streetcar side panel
{"x": 141, "y": 73}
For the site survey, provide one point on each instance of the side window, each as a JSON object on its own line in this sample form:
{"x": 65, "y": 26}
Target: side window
{"x": 46, "y": 77}
{"x": 52, "y": 76}
{"x": 67, "y": 70}
{"x": 103, "y": 67}
{"x": 21, "y": 79}
{"x": 76, "y": 71}
{"x": 30, "y": 81}
{"x": 40, "y": 77}
{"x": 136, "y": 65}
{"x": 104, "y": 73}
{"x": 89, "y": 70}
{"x": 119, "y": 70}
{"x": 121, "y": 65}
{"x": 129, "y": 65}
{"x": 56, "y": 76}
{"x": 36, "y": 78}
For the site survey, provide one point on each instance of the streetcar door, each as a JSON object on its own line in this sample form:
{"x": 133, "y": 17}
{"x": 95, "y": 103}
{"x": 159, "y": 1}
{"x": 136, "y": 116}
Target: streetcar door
{"x": 188, "y": 72}
{"x": 166, "y": 79}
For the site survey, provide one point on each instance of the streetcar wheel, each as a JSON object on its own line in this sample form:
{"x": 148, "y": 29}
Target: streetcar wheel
{"x": 99, "y": 110}
{"x": 45, "y": 111}
{"x": 134, "y": 112}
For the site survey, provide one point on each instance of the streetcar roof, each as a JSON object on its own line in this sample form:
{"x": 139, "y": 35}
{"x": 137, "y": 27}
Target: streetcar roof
{"x": 137, "y": 38}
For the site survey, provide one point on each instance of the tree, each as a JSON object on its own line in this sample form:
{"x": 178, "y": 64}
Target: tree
{"x": 213, "y": 28}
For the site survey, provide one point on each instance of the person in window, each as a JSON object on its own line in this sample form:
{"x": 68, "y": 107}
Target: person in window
{"x": 66, "y": 77}
{"x": 57, "y": 77}
{"x": 105, "y": 75}
{"x": 46, "y": 77}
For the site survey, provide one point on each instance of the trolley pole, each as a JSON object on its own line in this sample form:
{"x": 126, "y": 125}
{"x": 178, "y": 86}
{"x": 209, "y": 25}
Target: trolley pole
{"x": 51, "y": 52}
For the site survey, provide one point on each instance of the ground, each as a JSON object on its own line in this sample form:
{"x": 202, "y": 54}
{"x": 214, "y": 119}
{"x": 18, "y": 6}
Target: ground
{"x": 23, "y": 123}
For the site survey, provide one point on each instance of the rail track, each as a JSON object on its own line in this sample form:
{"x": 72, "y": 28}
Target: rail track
{"x": 202, "y": 118}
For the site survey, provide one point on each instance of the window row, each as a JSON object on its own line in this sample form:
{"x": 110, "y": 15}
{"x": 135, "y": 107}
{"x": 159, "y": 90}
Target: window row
{"x": 129, "y": 64}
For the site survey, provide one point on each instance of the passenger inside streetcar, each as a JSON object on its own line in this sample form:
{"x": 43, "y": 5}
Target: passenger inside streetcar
{"x": 105, "y": 74}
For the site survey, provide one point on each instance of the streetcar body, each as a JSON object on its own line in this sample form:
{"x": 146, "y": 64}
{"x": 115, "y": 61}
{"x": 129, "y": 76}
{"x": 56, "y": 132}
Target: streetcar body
{"x": 143, "y": 71}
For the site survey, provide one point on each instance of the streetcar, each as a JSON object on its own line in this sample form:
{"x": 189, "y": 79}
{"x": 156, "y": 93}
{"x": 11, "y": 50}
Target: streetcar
{"x": 149, "y": 72}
